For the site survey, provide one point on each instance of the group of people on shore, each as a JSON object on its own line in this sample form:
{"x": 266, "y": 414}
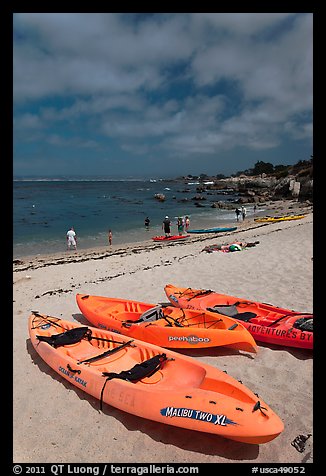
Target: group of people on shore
{"x": 183, "y": 224}
{"x": 241, "y": 212}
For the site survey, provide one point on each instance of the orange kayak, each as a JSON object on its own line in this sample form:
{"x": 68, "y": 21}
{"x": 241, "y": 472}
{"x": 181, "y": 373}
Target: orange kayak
{"x": 170, "y": 238}
{"x": 165, "y": 326}
{"x": 266, "y": 322}
{"x": 153, "y": 383}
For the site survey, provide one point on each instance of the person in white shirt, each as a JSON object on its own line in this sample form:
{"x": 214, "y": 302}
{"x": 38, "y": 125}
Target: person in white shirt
{"x": 71, "y": 239}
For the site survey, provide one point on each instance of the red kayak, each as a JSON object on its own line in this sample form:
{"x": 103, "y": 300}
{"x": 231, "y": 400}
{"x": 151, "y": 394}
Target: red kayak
{"x": 169, "y": 238}
{"x": 266, "y": 322}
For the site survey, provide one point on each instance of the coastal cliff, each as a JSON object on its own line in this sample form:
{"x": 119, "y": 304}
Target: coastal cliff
{"x": 258, "y": 189}
{"x": 292, "y": 182}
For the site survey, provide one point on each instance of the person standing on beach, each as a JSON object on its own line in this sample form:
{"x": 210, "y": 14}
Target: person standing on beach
{"x": 110, "y": 237}
{"x": 166, "y": 226}
{"x": 71, "y": 239}
{"x": 187, "y": 223}
{"x": 244, "y": 212}
{"x": 237, "y": 213}
{"x": 180, "y": 225}
{"x": 147, "y": 222}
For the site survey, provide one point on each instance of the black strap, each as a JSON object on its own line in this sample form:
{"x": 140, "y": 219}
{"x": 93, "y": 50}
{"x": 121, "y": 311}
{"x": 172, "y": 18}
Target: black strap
{"x": 258, "y": 406}
{"x": 234, "y": 326}
{"x": 136, "y": 373}
{"x": 175, "y": 321}
{"x": 234, "y": 304}
{"x": 106, "y": 353}
{"x": 48, "y": 319}
{"x": 196, "y": 294}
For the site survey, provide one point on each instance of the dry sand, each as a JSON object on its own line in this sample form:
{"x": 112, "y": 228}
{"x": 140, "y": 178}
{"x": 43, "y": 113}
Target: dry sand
{"x": 58, "y": 423}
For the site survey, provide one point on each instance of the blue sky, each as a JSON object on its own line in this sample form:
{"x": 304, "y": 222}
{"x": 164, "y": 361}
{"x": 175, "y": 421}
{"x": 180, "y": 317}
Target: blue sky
{"x": 160, "y": 95}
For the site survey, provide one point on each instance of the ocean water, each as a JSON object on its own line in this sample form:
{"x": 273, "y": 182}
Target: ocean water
{"x": 44, "y": 210}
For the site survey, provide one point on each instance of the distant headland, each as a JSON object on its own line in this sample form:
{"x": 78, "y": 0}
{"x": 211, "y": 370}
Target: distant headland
{"x": 261, "y": 183}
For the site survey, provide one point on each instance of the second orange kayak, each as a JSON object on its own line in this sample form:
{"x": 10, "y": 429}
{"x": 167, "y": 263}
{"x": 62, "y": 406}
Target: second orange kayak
{"x": 166, "y": 326}
{"x": 266, "y": 322}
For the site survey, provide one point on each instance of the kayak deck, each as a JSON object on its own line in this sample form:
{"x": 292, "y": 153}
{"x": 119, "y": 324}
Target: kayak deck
{"x": 150, "y": 382}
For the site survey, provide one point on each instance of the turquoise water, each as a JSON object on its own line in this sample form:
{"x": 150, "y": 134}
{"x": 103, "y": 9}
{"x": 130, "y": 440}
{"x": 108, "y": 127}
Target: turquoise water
{"x": 45, "y": 210}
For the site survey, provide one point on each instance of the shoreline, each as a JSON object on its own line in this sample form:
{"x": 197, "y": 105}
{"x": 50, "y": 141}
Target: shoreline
{"x": 39, "y": 230}
{"x": 48, "y": 409}
{"x": 101, "y": 252}
{"x": 201, "y": 218}
{"x": 98, "y": 253}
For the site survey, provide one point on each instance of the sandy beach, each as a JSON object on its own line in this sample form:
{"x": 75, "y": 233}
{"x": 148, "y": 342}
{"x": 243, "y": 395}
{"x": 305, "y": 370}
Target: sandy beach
{"x": 58, "y": 423}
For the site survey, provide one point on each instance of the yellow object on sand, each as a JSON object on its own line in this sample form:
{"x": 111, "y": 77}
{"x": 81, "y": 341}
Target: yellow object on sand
{"x": 276, "y": 219}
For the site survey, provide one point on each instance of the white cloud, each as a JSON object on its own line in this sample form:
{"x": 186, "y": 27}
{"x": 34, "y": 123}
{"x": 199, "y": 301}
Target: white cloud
{"x": 194, "y": 83}
{"x": 89, "y": 53}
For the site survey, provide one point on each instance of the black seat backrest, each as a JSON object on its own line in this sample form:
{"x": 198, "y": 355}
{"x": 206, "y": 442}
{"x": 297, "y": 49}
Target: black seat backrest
{"x": 72, "y": 336}
{"x": 139, "y": 371}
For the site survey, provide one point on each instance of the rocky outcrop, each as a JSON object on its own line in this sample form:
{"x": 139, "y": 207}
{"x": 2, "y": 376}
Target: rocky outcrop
{"x": 259, "y": 189}
{"x": 293, "y": 187}
{"x": 159, "y": 196}
{"x": 224, "y": 205}
{"x": 306, "y": 189}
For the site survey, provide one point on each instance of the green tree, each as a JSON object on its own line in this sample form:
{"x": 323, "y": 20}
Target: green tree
{"x": 263, "y": 168}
